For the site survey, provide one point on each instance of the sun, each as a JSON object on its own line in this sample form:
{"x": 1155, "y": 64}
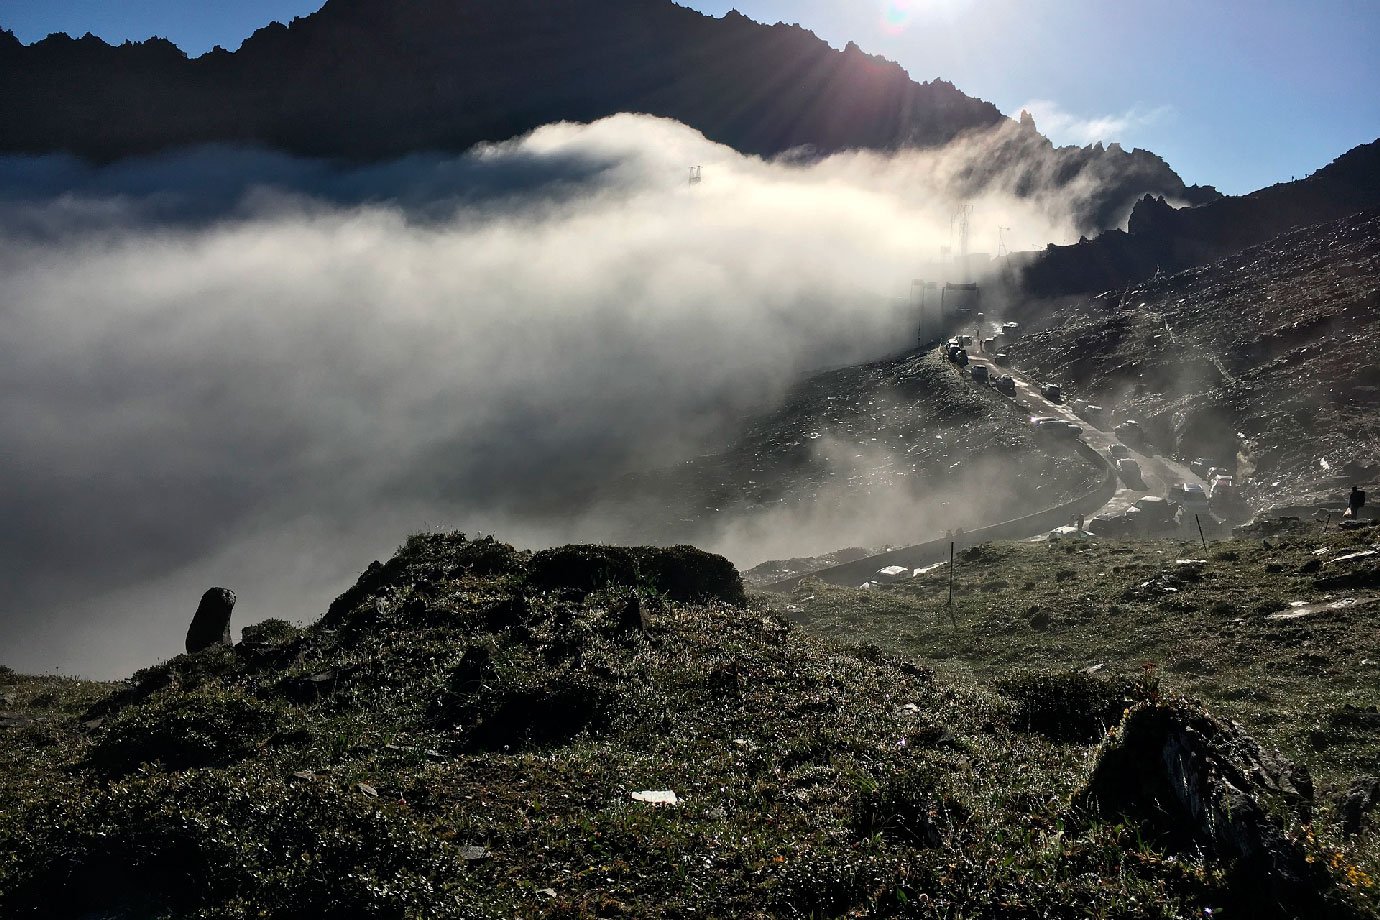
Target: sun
{"x": 897, "y": 14}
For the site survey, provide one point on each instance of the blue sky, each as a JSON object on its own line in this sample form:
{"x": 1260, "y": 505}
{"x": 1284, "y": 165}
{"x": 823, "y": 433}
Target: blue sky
{"x": 1236, "y": 94}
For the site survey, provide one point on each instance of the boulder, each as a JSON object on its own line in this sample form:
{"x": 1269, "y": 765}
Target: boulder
{"x": 1363, "y": 796}
{"x": 211, "y": 623}
{"x": 1193, "y": 783}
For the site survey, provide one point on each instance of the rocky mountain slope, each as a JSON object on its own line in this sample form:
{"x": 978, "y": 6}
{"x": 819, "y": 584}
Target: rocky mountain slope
{"x": 584, "y": 732}
{"x": 1162, "y": 238}
{"x": 1262, "y": 361}
{"x": 896, "y": 451}
{"x": 369, "y": 79}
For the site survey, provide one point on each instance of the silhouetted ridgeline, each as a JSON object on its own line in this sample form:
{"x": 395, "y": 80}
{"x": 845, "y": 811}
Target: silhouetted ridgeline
{"x": 1160, "y": 237}
{"x": 368, "y": 79}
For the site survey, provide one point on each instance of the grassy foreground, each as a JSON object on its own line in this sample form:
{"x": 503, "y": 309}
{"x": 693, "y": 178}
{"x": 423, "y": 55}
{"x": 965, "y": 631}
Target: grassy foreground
{"x": 469, "y": 732}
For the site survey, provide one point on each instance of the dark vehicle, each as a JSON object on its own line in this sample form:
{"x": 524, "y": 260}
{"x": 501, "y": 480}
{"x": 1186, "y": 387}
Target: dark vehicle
{"x": 1051, "y": 392}
{"x": 1005, "y": 384}
{"x": 989, "y": 346}
{"x": 1155, "y": 511}
{"x": 1001, "y": 359}
{"x": 1129, "y": 470}
{"x": 1111, "y": 525}
{"x": 1192, "y": 496}
{"x": 1130, "y": 430}
{"x": 979, "y": 372}
{"x": 1118, "y": 451}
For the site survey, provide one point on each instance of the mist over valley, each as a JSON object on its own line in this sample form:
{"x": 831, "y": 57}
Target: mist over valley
{"x": 237, "y": 366}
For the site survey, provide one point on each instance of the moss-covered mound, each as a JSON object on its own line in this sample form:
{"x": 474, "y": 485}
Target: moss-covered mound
{"x": 475, "y": 731}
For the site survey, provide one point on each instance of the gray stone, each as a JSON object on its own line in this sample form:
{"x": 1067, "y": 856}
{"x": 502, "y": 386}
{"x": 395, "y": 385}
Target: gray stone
{"x": 211, "y": 624}
{"x": 1363, "y": 796}
{"x": 1201, "y": 785}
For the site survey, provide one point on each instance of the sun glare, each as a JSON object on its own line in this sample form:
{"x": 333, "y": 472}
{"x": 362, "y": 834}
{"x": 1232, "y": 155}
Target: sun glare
{"x": 896, "y": 14}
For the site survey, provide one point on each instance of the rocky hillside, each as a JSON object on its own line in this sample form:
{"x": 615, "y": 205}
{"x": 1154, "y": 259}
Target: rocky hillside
{"x": 1163, "y": 237}
{"x": 369, "y": 79}
{"x": 896, "y": 451}
{"x": 473, "y": 731}
{"x": 1262, "y": 361}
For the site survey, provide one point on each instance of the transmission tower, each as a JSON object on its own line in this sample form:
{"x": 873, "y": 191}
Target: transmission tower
{"x": 696, "y": 174}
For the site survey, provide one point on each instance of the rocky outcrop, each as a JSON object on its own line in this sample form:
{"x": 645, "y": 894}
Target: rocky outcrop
{"x": 1193, "y": 782}
{"x": 211, "y": 623}
{"x": 1162, "y": 238}
{"x": 1361, "y": 798}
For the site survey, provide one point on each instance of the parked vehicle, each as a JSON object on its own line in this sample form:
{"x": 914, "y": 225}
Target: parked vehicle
{"x": 979, "y": 372}
{"x": 1190, "y": 495}
{"x": 1118, "y": 451}
{"x": 1129, "y": 471}
{"x": 1130, "y": 430}
{"x": 1156, "y": 509}
{"x": 1051, "y": 392}
{"x": 1001, "y": 359}
{"x": 1153, "y": 514}
{"x": 1055, "y": 427}
{"x": 1110, "y": 525}
{"x": 1006, "y": 384}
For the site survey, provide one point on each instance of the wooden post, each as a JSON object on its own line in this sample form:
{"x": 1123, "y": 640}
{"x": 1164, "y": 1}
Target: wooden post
{"x": 952, "y": 619}
{"x": 1200, "y": 532}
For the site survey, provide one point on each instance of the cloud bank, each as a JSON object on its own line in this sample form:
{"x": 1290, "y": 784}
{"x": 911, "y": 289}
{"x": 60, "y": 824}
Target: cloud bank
{"x": 234, "y": 368}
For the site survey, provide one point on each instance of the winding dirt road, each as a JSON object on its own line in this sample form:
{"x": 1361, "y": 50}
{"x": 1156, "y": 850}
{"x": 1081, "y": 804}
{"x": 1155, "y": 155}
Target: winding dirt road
{"x": 1158, "y": 473}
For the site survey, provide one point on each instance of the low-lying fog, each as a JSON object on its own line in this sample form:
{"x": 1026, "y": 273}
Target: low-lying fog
{"x": 235, "y": 368}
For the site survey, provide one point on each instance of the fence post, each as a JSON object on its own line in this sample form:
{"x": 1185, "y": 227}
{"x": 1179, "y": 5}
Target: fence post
{"x": 953, "y": 620}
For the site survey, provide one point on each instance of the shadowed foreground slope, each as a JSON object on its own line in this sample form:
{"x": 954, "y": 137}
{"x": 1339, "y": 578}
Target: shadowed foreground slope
{"x": 467, "y": 731}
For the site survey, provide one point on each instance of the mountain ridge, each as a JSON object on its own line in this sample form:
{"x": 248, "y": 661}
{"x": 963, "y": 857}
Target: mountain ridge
{"x": 365, "y": 80}
{"x": 1161, "y": 238}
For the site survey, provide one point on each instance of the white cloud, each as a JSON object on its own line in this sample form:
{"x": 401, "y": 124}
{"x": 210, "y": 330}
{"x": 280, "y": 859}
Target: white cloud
{"x": 1064, "y": 127}
{"x": 235, "y": 368}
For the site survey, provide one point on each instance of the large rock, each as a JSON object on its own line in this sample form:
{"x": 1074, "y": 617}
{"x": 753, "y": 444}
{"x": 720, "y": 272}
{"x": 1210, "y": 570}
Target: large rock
{"x": 1363, "y": 796}
{"x": 1192, "y": 783}
{"x": 211, "y": 624}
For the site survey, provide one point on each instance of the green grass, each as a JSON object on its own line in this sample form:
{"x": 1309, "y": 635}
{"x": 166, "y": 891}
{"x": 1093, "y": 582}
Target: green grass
{"x": 1032, "y": 616}
{"x": 461, "y": 736}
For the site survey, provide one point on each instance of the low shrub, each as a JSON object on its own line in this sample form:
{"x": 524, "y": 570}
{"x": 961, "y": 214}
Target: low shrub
{"x": 178, "y": 730}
